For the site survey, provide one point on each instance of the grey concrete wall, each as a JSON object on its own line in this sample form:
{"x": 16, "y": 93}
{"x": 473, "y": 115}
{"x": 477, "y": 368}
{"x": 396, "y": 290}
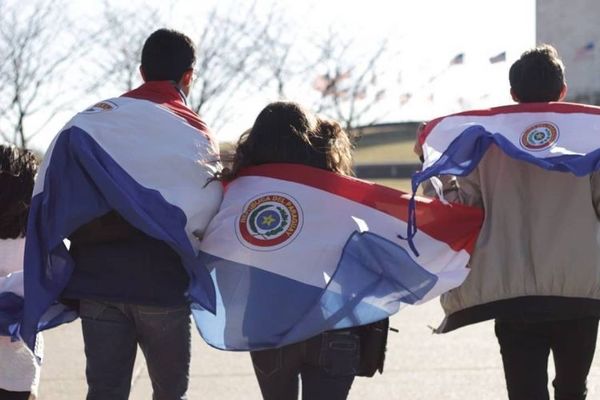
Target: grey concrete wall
{"x": 388, "y": 171}
{"x": 569, "y": 25}
{"x": 385, "y": 133}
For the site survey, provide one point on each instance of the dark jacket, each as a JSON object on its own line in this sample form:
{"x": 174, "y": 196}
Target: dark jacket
{"x": 116, "y": 262}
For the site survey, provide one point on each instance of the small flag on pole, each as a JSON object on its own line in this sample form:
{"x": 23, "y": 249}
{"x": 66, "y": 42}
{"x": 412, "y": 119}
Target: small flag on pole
{"x": 458, "y": 59}
{"x": 322, "y": 83}
{"x": 404, "y": 98}
{"x": 584, "y": 51}
{"x": 498, "y": 58}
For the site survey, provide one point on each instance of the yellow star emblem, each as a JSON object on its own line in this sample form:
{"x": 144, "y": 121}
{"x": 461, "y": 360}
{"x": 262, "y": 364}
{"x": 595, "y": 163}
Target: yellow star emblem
{"x": 268, "y": 220}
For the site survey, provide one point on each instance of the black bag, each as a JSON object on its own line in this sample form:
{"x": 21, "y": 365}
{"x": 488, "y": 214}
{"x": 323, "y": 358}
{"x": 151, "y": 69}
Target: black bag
{"x": 373, "y": 340}
{"x": 339, "y": 353}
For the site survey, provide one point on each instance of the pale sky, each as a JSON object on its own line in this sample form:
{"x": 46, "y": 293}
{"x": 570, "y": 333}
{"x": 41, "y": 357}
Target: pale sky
{"x": 425, "y": 35}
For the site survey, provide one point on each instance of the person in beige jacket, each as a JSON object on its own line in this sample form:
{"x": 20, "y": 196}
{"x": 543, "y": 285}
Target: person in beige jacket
{"x": 536, "y": 265}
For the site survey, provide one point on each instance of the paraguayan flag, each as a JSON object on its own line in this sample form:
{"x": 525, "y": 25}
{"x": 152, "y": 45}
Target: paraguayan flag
{"x": 561, "y": 137}
{"x": 144, "y": 155}
{"x": 295, "y": 251}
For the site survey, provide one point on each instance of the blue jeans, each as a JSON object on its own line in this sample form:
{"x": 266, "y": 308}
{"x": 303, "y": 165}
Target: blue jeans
{"x": 111, "y": 334}
{"x": 327, "y": 364}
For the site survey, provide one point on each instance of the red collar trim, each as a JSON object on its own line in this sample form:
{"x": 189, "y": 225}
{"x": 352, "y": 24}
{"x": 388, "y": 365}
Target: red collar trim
{"x": 167, "y": 95}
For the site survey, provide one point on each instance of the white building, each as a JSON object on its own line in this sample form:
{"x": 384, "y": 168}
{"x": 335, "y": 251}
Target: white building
{"x": 573, "y": 27}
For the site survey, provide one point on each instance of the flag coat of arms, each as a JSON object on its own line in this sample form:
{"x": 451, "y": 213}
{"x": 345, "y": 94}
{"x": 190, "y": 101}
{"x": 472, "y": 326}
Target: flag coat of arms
{"x": 295, "y": 251}
{"x": 144, "y": 155}
{"x": 561, "y": 137}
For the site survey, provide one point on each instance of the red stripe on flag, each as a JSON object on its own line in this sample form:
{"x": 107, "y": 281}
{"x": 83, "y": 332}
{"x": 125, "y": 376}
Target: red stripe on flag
{"x": 553, "y": 107}
{"x": 456, "y": 225}
{"x": 165, "y": 93}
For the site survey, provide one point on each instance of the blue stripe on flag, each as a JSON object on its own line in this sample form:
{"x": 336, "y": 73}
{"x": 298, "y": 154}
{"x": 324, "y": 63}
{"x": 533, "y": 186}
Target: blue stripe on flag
{"x": 11, "y": 311}
{"x": 257, "y": 309}
{"x": 83, "y": 182}
{"x": 374, "y": 276}
{"x": 464, "y": 153}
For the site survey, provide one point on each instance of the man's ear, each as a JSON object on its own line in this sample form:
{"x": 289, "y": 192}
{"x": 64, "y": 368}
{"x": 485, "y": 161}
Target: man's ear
{"x": 514, "y": 96}
{"x": 142, "y": 73}
{"x": 563, "y": 92}
{"x": 185, "y": 83}
{"x": 186, "y": 78}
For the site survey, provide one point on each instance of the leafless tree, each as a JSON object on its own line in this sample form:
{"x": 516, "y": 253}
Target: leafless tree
{"x": 37, "y": 48}
{"x": 230, "y": 49}
{"x": 278, "y": 61}
{"x": 244, "y": 51}
{"x": 281, "y": 56}
{"x": 229, "y": 43}
{"x": 347, "y": 83}
{"x": 4, "y": 94}
{"x": 119, "y": 46}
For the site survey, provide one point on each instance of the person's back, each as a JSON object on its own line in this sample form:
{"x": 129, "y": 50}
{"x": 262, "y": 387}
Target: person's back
{"x": 127, "y": 181}
{"x": 538, "y": 244}
{"x": 116, "y": 262}
{"x": 327, "y": 363}
{"x": 536, "y": 265}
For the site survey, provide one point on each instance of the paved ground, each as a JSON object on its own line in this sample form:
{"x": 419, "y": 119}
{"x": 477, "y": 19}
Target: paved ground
{"x": 463, "y": 365}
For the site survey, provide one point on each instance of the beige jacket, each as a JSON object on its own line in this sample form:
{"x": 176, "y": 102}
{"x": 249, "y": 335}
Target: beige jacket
{"x": 538, "y": 253}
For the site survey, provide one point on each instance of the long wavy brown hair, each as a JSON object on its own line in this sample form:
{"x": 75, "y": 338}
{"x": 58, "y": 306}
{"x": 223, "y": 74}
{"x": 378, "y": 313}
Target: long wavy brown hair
{"x": 17, "y": 173}
{"x": 285, "y": 132}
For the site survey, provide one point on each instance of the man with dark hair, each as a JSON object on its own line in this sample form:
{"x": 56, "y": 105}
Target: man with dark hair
{"x": 536, "y": 263}
{"x": 167, "y": 55}
{"x": 133, "y": 232}
{"x": 131, "y": 287}
{"x": 538, "y": 76}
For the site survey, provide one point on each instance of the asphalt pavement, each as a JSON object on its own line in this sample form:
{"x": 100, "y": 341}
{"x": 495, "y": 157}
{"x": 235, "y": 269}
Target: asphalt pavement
{"x": 464, "y": 365}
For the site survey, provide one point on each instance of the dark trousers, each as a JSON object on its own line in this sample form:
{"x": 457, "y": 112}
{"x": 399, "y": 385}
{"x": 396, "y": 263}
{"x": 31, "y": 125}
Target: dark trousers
{"x": 327, "y": 364}
{"x": 111, "y": 334}
{"x": 525, "y": 347}
{"x": 6, "y": 395}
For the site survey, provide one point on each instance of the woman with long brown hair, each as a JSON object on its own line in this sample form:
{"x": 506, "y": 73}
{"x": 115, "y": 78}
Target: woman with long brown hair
{"x": 285, "y": 132}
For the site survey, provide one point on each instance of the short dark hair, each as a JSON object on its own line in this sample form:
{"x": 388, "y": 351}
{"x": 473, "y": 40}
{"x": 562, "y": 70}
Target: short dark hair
{"x": 538, "y": 75}
{"x": 284, "y": 132}
{"x": 17, "y": 173}
{"x": 166, "y": 55}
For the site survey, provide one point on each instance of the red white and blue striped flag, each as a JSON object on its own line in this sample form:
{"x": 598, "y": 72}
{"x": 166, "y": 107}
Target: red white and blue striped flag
{"x": 144, "y": 155}
{"x": 295, "y": 251}
{"x": 498, "y": 58}
{"x": 585, "y": 51}
{"x": 561, "y": 137}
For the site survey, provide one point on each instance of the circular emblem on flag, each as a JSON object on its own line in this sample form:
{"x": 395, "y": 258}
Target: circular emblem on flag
{"x": 269, "y": 222}
{"x": 540, "y": 136}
